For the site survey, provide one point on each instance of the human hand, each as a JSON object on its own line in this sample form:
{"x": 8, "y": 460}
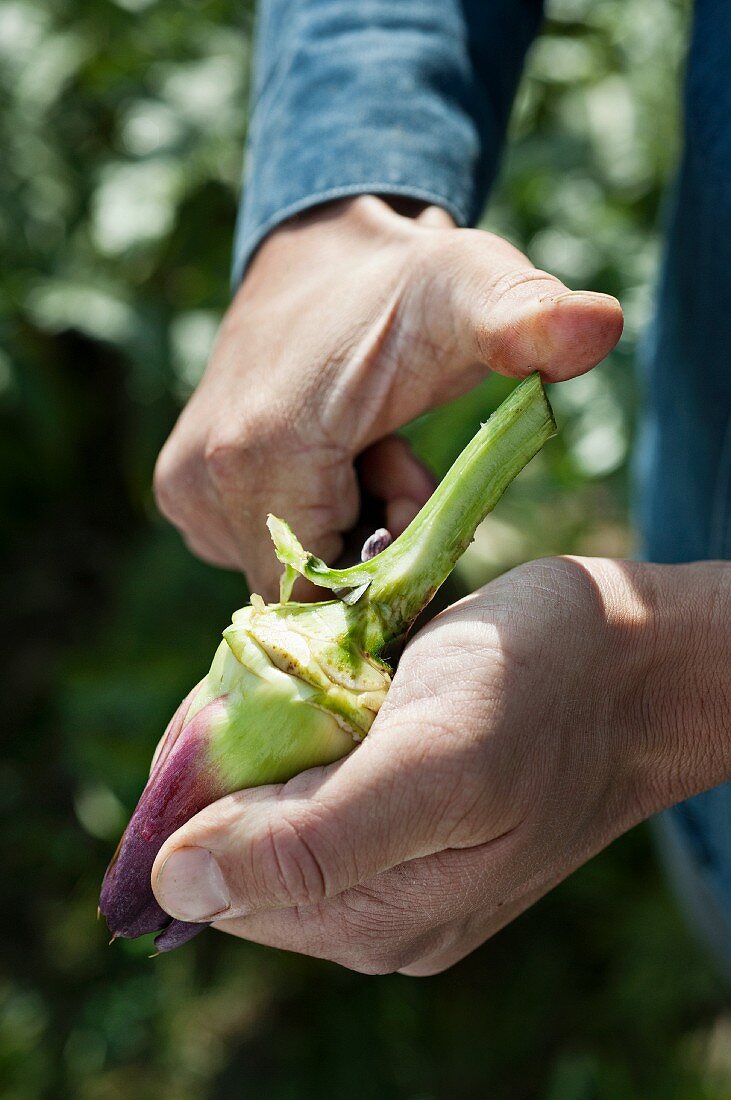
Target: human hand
{"x": 526, "y": 727}
{"x": 351, "y": 321}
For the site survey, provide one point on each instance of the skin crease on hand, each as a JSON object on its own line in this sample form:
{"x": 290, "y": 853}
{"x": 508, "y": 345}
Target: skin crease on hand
{"x": 352, "y": 320}
{"x": 467, "y": 803}
{"x": 527, "y": 727}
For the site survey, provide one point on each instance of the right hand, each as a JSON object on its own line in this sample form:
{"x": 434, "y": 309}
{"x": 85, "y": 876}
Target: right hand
{"x": 351, "y": 321}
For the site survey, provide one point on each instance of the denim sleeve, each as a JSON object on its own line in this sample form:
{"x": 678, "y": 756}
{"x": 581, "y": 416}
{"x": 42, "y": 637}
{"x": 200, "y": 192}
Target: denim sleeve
{"x": 399, "y": 97}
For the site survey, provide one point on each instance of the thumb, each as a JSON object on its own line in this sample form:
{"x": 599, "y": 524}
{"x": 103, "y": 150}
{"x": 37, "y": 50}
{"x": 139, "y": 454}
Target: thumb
{"x": 328, "y": 829}
{"x": 514, "y": 318}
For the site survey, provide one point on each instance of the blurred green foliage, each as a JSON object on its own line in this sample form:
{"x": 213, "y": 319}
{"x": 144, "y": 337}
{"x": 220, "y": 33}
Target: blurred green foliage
{"x": 122, "y": 125}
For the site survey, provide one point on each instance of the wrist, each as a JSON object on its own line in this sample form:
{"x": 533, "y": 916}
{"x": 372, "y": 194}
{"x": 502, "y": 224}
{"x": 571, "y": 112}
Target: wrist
{"x": 363, "y": 223}
{"x": 671, "y": 632}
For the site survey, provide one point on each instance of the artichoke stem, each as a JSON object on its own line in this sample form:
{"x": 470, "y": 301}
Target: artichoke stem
{"x": 405, "y": 576}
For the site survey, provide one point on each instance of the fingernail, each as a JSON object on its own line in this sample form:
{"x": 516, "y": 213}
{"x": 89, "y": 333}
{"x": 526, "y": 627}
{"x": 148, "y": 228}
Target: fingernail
{"x": 191, "y": 886}
{"x": 594, "y": 297}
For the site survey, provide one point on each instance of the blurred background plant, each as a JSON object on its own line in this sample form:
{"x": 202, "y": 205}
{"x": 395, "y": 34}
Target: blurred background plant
{"x": 122, "y": 125}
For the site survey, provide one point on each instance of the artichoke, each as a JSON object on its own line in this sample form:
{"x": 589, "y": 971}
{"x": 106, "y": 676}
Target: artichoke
{"x": 295, "y": 685}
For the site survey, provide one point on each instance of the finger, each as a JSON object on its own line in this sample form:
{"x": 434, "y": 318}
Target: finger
{"x": 418, "y": 918}
{"x": 462, "y": 936}
{"x": 435, "y": 217}
{"x": 418, "y": 784}
{"x": 211, "y": 553}
{"x": 403, "y": 915}
{"x": 516, "y": 319}
{"x": 315, "y": 492}
{"x": 391, "y": 472}
{"x": 183, "y": 495}
{"x": 261, "y": 566}
{"x": 389, "y": 469}
{"x": 399, "y": 514}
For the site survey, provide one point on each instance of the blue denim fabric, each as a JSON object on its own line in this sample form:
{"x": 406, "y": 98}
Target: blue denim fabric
{"x": 411, "y": 97}
{"x": 685, "y": 451}
{"x": 402, "y": 97}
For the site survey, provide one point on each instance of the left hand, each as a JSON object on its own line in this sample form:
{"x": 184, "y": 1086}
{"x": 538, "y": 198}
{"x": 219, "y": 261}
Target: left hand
{"x": 526, "y": 728}
{"x": 352, "y": 320}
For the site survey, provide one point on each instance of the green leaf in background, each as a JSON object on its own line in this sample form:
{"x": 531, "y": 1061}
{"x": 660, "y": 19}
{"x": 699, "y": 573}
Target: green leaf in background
{"x": 122, "y": 129}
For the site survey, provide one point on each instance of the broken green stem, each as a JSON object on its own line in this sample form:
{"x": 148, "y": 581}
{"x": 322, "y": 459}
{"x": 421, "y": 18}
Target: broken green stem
{"x": 387, "y": 593}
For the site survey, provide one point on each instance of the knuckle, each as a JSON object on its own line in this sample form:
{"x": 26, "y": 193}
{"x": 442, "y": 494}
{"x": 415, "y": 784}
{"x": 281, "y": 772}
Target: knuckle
{"x": 511, "y": 283}
{"x": 377, "y": 964}
{"x": 447, "y": 944}
{"x": 381, "y": 933}
{"x": 165, "y": 486}
{"x": 377, "y": 958}
{"x": 248, "y": 448}
{"x": 225, "y": 456}
{"x": 210, "y": 552}
{"x": 370, "y": 954}
{"x": 334, "y": 500}
{"x": 427, "y": 967}
{"x": 428, "y": 947}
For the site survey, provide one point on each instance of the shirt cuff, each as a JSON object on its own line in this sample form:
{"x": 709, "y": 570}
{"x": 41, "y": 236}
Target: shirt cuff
{"x": 351, "y": 99}
{"x": 248, "y": 238}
